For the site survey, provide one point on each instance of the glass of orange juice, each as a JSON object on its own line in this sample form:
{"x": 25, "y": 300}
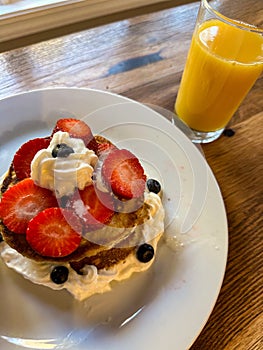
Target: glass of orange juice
{"x": 224, "y": 61}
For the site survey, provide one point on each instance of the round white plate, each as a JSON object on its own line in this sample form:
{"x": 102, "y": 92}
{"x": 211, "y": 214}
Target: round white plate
{"x": 164, "y": 308}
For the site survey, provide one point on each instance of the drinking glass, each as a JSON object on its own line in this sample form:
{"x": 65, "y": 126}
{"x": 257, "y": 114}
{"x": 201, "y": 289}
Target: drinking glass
{"x": 224, "y": 61}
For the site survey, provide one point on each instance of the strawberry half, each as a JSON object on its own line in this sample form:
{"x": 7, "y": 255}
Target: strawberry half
{"x": 24, "y": 156}
{"x": 21, "y": 202}
{"x": 123, "y": 173}
{"x": 93, "y": 207}
{"x": 54, "y": 232}
{"x": 77, "y": 129}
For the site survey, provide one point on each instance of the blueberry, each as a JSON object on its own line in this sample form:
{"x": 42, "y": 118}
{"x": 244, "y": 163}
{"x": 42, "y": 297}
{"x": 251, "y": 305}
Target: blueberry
{"x": 153, "y": 186}
{"x": 62, "y": 150}
{"x": 59, "y": 274}
{"x": 145, "y": 253}
{"x": 63, "y": 201}
{"x": 1, "y": 238}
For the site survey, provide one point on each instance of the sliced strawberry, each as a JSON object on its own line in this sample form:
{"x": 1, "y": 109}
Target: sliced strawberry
{"x": 77, "y": 129}
{"x": 93, "y": 145}
{"x": 92, "y": 206}
{"x": 54, "y": 232}
{"x": 105, "y": 147}
{"x": 24, "y": 156}
{"x": 123, "y": 173}
{"x": 21, "y": 202}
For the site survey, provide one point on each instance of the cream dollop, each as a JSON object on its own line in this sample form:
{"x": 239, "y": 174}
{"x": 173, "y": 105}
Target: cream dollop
{"x": 121, "y": 237}
{"x": 63, "y": 175}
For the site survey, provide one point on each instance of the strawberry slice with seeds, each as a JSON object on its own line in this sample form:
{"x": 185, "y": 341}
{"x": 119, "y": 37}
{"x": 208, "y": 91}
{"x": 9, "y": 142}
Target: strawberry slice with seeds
{"x": 21, "y": 202}
{"x": 54, "y": 232}
{"x": 77, "y": 129}
{"x": 123, "y": 173}
{"x": 25, "y": 154}
{"x": 93, "y": 207}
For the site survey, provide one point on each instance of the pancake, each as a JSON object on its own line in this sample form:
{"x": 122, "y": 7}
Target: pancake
{"x": 105, "y": 254}
{"x": 88, "y": 250}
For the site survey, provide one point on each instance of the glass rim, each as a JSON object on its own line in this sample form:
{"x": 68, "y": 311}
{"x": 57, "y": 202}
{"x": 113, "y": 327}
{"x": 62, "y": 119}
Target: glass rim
{"x": 230, "y": 21}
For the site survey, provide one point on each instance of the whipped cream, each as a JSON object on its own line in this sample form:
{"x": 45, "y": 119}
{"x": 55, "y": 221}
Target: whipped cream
{"x": 93, "y": 280}
{"x": 64, "y": 175}
{"x": 121, "y": 237}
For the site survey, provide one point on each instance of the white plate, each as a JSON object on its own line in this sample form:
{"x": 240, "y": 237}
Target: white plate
{"x": 164, "y": 308}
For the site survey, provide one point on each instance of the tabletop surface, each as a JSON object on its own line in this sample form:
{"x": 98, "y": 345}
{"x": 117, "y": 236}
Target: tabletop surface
{"x": 143, "y": 58}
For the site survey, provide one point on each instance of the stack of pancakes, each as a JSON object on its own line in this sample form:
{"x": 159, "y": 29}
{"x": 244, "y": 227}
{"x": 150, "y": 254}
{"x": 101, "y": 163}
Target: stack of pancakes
{"x": 112, "y": 252}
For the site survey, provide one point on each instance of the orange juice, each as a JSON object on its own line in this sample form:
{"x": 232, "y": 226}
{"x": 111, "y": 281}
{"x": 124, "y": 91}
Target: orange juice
{"x": 223, "y": 63}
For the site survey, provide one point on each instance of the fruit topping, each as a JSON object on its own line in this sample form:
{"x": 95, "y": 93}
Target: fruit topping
{"x": 93, "y": 207}
{"x": 21, "y": 202}
{"x": 77, "y": 129}
{"x": 123, "y": 174}
{"x": 25, "y": 154}
{"x": 59, "y": 274}
{"x": 153, "y": 186}
{"x": 62, "y": 150}
{"x": 63, "y": 201}
{"x": 54, "y": 232}
{"x": 145, "y": 253}
{"x": 1, "y": 238}
{"x": 104, "y": 148}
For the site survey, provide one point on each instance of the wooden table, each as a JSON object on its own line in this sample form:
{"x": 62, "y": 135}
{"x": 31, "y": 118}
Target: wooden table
{"x": 143, "y": 58}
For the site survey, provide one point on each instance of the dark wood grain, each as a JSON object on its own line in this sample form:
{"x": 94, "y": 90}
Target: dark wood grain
{"x": 143, "y": 58}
